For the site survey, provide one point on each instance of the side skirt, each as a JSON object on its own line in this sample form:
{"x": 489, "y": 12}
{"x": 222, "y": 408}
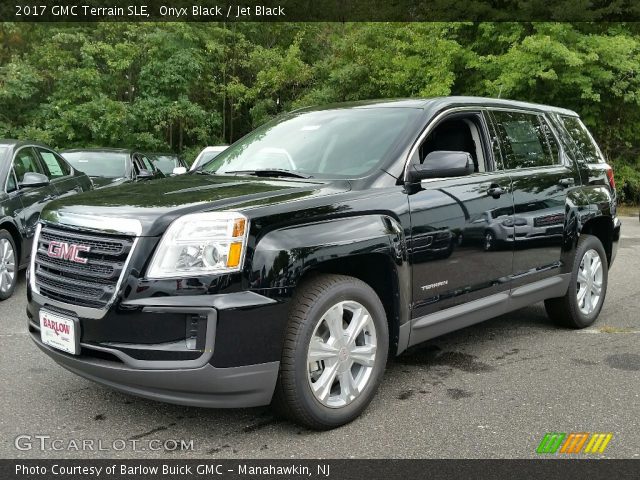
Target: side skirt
{"x": 461, "y": 316}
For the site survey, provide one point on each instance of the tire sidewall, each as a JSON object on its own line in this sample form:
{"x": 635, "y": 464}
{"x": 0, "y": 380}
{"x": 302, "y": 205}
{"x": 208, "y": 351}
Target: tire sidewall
{"x": 590, "y": 242}
{"x": 6, "y": 235}
{"x": 343, "y": 291}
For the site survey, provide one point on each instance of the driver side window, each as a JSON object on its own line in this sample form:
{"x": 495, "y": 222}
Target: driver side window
{"x": 459, "y": 133}
{"x": 26, "y": 161}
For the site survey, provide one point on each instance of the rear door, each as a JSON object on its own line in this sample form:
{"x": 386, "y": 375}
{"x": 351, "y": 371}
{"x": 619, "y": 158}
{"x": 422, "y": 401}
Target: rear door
{"x": 451, "y": 218}
{"x": 541, "y": 176}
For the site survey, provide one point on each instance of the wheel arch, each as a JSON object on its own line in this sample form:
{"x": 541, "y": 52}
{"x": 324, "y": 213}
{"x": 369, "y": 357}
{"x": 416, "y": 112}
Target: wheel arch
{"x": 371, "y": 248}
{"x": 602, "y": 228}
{"x": 589, "y": 211}
{"x": 15, "y": 234}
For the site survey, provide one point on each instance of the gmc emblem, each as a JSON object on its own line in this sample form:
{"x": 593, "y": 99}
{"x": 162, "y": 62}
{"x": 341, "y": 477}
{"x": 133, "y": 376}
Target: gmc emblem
{"x": 67, "y": 251}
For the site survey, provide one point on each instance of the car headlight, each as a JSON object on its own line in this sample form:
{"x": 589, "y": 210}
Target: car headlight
{"x": 201, "y": 243}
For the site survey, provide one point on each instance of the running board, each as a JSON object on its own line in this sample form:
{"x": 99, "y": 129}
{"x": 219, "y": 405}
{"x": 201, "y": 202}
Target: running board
{"x": 461, "y": 316}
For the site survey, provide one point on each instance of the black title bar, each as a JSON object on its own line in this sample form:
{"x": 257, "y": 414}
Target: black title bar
{"x": 317, "y": 469}
{"x": 318, "y": 10}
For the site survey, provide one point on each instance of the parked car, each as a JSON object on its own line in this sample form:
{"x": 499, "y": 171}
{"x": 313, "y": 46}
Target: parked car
{"x": 206, "y": 155}
{"x": 533, "y": 221}
{"x": 168, "y": 163}
{"x": 31, "y": 174}
{"x": 108, "y": 167}
{"x": 290, "y": 283}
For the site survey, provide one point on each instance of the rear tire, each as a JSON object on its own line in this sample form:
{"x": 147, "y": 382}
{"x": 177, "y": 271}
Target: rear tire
{"x": 8, "y": 265}
{"x": 334, "y": 353}
{"x": 581, "y": 305}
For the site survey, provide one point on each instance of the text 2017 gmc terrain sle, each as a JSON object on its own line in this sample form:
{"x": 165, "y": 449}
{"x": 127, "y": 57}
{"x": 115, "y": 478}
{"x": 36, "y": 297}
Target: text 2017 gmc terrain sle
{"x": 289, "y": 267}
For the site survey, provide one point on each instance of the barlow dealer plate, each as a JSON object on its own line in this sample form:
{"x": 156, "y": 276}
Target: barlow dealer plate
{"x": 59, "y": 332}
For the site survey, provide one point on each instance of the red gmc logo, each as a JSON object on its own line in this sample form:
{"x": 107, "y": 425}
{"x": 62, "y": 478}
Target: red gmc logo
{"x": 67, "y": 251}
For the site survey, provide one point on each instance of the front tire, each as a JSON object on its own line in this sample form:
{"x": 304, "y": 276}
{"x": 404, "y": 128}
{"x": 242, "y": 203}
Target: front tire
{"x": 581, "y": 305}
{"x": 8, "y": 265}
{"x": 334, "y": 354}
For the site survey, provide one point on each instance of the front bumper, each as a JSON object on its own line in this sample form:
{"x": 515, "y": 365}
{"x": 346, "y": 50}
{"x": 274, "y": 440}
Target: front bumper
{"x": 168, "y": 372}
{"x": 206, "y": 386}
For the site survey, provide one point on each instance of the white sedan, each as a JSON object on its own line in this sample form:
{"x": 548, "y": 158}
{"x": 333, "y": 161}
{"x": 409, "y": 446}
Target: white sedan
{"x": 207, "y": 154}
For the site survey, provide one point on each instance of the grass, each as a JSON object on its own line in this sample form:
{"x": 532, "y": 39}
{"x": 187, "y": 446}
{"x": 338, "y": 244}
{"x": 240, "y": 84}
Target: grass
{"x": 610, "y": 329}
{"x": 628, "y": 210}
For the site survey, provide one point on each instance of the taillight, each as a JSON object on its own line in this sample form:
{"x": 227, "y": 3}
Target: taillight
{"x": 612, "y": 182}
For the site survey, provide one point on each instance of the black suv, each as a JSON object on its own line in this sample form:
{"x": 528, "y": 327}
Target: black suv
{"x": 293, "y": 264}
{"x": 31, "y": 174}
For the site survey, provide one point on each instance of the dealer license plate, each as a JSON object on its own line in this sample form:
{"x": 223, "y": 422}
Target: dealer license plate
{"x": 59, "y": 332}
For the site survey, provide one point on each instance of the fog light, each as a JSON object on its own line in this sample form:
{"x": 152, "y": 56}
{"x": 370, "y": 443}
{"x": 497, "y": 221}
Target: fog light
{"x": 196, "y": 329}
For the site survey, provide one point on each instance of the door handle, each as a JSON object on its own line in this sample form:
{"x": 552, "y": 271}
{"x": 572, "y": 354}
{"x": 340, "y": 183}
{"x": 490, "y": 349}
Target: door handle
{"x": 495, "y": 191}
{"x": 567, "y": 182}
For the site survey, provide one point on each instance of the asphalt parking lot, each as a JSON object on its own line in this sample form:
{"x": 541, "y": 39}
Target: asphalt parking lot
{"x": 492, "y": 390}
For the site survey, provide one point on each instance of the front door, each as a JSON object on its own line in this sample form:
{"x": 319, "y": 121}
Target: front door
{"x": 33, "y": 199}
{"x": 459, "y": 226}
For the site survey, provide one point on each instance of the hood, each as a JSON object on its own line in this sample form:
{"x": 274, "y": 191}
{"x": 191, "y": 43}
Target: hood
{"x": 101, "y": 182}
{"x": 155, "y": 204}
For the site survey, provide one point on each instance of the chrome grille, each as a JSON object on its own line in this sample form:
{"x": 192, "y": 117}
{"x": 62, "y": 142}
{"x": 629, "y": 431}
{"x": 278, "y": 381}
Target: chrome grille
{"x": 548, "y": 220}
{"x": 92, "y": 284}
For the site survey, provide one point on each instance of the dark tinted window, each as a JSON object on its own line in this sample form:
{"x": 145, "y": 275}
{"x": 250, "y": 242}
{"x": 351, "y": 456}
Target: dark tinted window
{"x": 522, "y": 140}
{"x": 56, "y": 166}
{"x": 552, "y": 142}
{"x": 25, "y": 161}
{"x": 146, "y": 163}
{"x": 586, "y": 146}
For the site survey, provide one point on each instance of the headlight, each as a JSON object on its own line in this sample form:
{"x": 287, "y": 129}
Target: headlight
{"x": 201, "y": 243}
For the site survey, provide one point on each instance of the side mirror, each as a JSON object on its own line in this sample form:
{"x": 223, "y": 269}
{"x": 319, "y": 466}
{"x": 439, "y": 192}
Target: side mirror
{"x": 179, "y": 171}
{"x": 144, "y": 174}
{"x": 441, "y": 164}
{"x": 33, "y": 179}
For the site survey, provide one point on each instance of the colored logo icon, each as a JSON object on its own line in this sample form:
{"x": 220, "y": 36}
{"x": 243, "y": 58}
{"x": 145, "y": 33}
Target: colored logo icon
{"x": 573, "y": 443}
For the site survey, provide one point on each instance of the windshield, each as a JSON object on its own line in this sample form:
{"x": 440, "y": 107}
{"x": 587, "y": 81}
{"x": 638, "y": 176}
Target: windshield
{"x": 164, "y": 163}
{"x": 330, "y": 143}
{"x": 99, "y": 164}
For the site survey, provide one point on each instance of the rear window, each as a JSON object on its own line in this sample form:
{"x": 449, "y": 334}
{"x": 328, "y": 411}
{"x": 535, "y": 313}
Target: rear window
{"x": 582, "y": 139}
{"x": 99, "y": 164}
{"x": 524, "y": 140}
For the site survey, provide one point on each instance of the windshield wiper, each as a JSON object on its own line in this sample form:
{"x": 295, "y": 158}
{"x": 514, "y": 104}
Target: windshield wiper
{"x": 268, "y": 172}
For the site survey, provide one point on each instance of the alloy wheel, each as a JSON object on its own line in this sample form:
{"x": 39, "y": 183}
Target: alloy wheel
{"x": 7, "y": 265}
{"x": 341, "y": 354}
{"x": 589, "y": 288}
